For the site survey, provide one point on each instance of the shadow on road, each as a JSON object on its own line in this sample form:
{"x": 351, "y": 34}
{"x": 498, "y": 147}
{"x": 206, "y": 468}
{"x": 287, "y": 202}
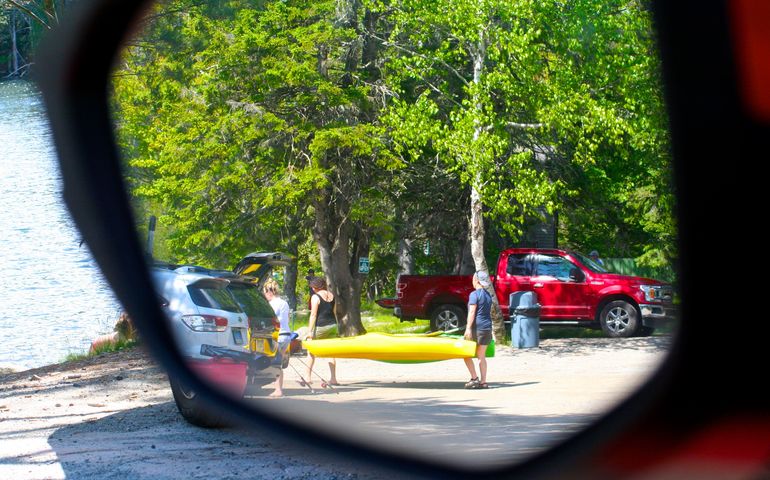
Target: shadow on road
{"x": 454, "y": 432}
{"x": 155, "y": 442}
{"x": 431, "y": 385}
{"x": 590, "y": 346}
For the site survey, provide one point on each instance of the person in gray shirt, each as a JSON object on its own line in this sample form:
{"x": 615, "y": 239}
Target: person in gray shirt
{"x": 478, "y": 328}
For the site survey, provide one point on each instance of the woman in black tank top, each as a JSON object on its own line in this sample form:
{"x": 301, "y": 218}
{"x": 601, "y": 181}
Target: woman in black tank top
{"x": 325, "y": 316}
{"x": 321, "y": 316}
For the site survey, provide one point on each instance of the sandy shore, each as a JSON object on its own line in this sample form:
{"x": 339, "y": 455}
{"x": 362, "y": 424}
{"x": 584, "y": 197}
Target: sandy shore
{"x": 113, "y": 416}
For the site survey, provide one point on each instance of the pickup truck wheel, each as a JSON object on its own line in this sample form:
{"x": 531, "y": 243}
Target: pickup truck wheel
{"x": 447, "y": 317}
{"x": 619, "y": 319}
{"x": 193, "y": 409}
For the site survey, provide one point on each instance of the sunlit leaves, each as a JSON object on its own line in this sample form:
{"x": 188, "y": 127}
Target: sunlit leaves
{"x": 236, "y": 113}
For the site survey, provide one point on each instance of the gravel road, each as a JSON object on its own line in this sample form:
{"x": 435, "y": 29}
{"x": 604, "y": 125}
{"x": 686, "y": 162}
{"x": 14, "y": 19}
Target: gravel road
{"x": 113, "y": 416}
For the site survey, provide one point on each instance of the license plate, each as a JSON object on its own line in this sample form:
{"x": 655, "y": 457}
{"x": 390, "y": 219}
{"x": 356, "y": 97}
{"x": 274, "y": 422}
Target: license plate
{"x": 257, "y": 345}
{"x": 262, "y": 345}
{"x": 238, "y": 336}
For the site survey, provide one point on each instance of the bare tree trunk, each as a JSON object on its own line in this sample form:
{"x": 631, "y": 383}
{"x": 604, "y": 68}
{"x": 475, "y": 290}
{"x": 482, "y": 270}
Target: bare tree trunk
{"x": 333, "y": 239}
{"x": 466, "y": 265}
{"x": 290, "y": 285}
{"x": 371, "y": 46}
{"x": 340, "y": 241}
{"x": 477, "y": 231}
{"x": 14, "y": 46}
{"x": 291, "y": 275}
{"x": 477, "y": 214}
{"x": 347, "y": 16}
{"x": 406, "y": 261}
{"x": 405, "y": 246}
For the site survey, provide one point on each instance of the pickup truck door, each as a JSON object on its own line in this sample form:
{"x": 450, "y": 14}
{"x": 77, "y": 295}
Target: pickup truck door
{"x": 513, "y": 274}
{"x": 559, "y": 295}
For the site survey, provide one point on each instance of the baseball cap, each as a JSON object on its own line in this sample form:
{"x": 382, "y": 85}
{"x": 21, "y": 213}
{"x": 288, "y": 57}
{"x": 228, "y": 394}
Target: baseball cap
{"x": 483, "y": 278}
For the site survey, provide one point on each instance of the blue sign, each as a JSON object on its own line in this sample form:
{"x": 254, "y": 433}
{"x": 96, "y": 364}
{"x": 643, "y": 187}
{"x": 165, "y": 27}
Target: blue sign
{"x": 363, "y": 264}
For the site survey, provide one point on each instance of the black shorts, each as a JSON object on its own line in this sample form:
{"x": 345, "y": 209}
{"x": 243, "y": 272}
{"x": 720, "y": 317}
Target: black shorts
{"x": 483, "y": 337}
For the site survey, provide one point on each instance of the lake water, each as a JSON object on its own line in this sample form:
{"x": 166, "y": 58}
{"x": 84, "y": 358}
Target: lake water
{"x": 54, "y": 299}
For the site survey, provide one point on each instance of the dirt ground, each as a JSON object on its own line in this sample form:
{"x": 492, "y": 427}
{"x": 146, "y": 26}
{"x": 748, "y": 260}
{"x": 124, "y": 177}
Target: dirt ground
{"x": 113, "y": 416}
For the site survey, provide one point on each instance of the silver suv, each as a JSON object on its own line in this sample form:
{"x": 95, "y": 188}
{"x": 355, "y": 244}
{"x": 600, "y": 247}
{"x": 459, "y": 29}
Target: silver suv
{"x": 225, "y": 328}
{"x": 202, "y": 310}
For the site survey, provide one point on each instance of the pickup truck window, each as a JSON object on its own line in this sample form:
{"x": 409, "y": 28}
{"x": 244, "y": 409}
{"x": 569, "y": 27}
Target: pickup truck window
{"x": 554, "y": 266}
{"x": 519, "y": 264}
{"x": 590, "y": 264}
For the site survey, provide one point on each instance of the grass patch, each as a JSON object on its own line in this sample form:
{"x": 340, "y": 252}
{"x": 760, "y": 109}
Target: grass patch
{"x": 105, "y": 348}
{"x": 74, "y": 357}
{"x": 382, "y": 320}
{"x": 669, "y": 329}
{"x": 374, "y": 319}
{"x": 298, "y": 320}
{"x": 569, "y": 332}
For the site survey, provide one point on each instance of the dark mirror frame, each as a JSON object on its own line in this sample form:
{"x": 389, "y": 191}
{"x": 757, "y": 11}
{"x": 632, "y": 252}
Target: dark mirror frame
{"x": 722, "y": 326}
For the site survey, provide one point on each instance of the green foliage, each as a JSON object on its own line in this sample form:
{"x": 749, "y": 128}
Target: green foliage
{"x": 603, "y": 101}
{"x": 204, "y": 148}
{"x": 564, "y": 111}
{"x": 104, "y": 348}
{"x": 628, "y": 266}
{"x": 257, "y": 125}
{"x": 451, "y": 67}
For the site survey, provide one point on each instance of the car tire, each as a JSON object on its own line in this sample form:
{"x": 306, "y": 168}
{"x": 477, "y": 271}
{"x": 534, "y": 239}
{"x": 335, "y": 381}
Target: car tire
{"x": 447, "y": 317}
{"x": 192, "y": 408}
{"x": 620, "y": 319}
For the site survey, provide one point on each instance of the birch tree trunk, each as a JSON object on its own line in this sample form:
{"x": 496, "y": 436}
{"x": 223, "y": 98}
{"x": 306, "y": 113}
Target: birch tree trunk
{"x": 477, "y": 207}
{"x": 404, "y": 250}
{"x": 405, "y": 256}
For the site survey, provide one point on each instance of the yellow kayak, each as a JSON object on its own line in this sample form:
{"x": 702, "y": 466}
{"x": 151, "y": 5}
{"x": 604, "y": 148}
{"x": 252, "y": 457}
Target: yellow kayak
{"x": 386, "y": 347}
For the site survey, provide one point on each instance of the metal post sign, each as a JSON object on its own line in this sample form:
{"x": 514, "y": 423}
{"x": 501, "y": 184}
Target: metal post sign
{"x": 363, "y": 264}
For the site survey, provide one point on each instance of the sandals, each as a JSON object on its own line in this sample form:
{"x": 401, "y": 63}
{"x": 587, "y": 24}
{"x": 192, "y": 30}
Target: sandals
{"x": 475, "y": 384}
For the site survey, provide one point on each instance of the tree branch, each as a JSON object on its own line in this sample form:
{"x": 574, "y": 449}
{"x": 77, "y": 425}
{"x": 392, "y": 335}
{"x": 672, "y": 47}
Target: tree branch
{"x": 417, "y": 54}
{"x": 524, "y": 125}
{"x": 30, "y": 13}
{"x": 433, "y": 87}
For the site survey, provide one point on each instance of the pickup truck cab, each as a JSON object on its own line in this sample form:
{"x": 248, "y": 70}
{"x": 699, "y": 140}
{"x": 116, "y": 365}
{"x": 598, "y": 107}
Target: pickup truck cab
{"x": 571, "y": 289}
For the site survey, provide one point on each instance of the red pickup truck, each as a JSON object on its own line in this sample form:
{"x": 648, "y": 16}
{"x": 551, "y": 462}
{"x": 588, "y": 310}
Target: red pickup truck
{"x": 571, "y": 289}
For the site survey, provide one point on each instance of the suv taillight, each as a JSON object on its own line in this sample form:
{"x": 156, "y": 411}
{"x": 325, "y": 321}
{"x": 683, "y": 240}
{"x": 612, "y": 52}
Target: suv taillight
{"x": 205, "y": 323}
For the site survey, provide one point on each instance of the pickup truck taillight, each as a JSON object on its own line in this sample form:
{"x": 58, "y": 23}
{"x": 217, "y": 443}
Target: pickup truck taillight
{"x": 205, "y": 323}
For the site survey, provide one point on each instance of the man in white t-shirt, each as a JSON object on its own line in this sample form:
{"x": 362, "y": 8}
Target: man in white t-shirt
{"x": 281, "y": 309}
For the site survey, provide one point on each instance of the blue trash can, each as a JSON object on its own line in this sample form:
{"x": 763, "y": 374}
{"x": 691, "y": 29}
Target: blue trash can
{"x": 525, "y": 319}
